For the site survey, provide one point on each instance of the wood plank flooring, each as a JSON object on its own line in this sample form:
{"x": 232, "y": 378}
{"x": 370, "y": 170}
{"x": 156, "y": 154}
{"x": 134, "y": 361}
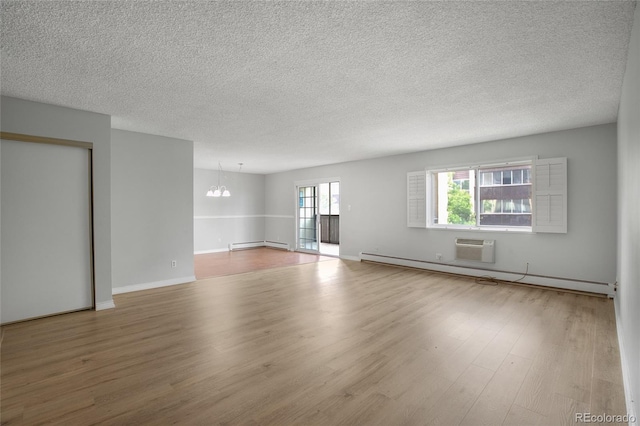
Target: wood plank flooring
{"x": 240, "y": 261}
{"x": 326, "y": 343}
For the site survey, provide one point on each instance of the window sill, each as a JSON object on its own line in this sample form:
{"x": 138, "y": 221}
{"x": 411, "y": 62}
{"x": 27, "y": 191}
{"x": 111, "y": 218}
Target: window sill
{"x": 519, "y": 230}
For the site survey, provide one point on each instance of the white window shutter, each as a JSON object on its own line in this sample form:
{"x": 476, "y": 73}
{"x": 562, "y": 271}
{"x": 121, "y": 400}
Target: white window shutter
{"x": 550, "y": 195}
{"x": 417, "y": 199}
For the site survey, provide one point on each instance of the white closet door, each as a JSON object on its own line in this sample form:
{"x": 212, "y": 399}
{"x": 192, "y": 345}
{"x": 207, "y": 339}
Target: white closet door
{"x": 46, "y": 231}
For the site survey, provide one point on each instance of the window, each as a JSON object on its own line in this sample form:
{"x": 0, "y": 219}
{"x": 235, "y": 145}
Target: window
{"x": 485, "y": 196}
{"x": 329, "y": 198}
{"x": 528, "y": 195}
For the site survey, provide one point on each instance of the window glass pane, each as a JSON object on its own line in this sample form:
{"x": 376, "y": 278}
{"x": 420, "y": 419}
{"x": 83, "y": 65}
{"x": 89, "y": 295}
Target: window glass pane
{"x": 517, "y": 206}
{"x": 506, "y": 177}
{"x": 503, "y": 196}
{"x": 487, "y": 178}
{"x": 508, "y": 206}
{"x": 489, "y": 206}
{"x": 507, "y": 195}
{"x": 517, "y": 177}
{"x": 335, "y": 198}
{"x": 454, "y": 201}
{"x": 497, "y": 178}
{"x": 324, "y": 198}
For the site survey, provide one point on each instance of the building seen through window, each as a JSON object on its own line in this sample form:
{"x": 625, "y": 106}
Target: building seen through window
{"x": 484, "y": 196}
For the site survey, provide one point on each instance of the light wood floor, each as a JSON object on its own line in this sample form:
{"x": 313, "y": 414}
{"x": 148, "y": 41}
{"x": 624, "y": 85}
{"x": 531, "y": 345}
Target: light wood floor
{"x": 240, "y": 261}
{"x": 326, "y": 343}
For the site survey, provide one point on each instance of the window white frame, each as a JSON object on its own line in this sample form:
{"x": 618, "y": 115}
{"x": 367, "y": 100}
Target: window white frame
{"x": 432, "y": 192}
{"x": 548, "y": 196}
{"x": 309, "y": 182}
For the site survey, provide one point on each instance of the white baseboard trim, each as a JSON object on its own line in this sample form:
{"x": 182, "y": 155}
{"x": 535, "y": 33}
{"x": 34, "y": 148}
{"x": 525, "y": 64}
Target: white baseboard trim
{"x": 108, "y": 304}
{"x": 346, "y": 257}
{"x": 238, "y": 216}
{"x": 254, "y": 244}
{"x": 246, "y": 216}
{"x": 624, "y": 362}
{"x": 251, "y": 244}
{"x": 154, "y": 284}
{"x": 555, "y": 282}
{"x": 220, "y": 250}
{"x": 277, "y": 244}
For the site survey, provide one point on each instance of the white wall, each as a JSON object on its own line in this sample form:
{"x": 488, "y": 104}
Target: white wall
{"x": 224, "y": 220}
{"x": 376, "y": 192}
{"x": 628, "y": 298}
{"x": 152, "y": 180}
{"x": 38, "y": 119}
{"x": 1, "y": 331}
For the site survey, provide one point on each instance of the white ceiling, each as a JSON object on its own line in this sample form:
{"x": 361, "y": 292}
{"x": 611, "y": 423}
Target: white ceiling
{"x": 286, "y": 85}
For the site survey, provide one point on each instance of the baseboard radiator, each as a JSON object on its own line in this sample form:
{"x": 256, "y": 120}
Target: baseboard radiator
{"x": 480, "y": 270}
{"x": 254, "y": 244}
{"x": 277, "y": 244}
{"x": 475, "y": 250}
{"x": 245, "y": 245}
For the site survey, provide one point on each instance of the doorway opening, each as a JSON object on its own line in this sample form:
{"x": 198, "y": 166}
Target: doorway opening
{"x": 318, "y": 218}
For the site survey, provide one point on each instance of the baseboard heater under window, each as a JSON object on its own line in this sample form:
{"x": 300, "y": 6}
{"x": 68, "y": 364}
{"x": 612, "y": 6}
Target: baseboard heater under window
{"x": 573, "y": 284}
{"x": 475, "y": 250}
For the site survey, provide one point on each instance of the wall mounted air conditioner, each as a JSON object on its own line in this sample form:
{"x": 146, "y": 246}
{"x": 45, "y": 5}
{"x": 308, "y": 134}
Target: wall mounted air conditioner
{"x": 475, "y": 250}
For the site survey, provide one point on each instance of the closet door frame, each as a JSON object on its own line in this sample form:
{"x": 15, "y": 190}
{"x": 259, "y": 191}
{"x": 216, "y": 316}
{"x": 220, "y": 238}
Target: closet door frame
{"x": 19, "y": 137}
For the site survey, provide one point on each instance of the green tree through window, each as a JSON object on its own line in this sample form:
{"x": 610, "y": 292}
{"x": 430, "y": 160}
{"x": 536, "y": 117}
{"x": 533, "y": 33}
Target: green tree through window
{"x": 459, "y": 207}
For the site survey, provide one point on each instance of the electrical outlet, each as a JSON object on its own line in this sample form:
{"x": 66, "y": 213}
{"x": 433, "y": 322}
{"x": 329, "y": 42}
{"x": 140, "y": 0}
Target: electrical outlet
{"x": 174, "y": 263}
{"x": 439, "y": 257}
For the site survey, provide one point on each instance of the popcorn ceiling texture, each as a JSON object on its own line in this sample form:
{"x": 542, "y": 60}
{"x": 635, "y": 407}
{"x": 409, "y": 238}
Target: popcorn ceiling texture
{"x": 285, "y": 85}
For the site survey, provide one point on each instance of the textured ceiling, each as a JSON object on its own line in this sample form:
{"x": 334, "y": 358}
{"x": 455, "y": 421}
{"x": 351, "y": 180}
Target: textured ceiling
{"x": 285, "y": 85}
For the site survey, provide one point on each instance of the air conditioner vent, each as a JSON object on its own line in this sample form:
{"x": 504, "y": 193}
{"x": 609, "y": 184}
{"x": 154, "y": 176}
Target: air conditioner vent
{"x": 475, "y": 250}
{"x": 468, "y": 241}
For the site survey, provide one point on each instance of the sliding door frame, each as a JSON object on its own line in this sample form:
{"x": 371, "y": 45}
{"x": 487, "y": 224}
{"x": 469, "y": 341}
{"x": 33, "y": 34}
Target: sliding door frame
{"x": 304, "y": 183}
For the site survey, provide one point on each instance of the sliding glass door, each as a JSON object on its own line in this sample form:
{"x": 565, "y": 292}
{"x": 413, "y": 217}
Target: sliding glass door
{"x": 318, "y": 217}
{"x": 308, "y": 229}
